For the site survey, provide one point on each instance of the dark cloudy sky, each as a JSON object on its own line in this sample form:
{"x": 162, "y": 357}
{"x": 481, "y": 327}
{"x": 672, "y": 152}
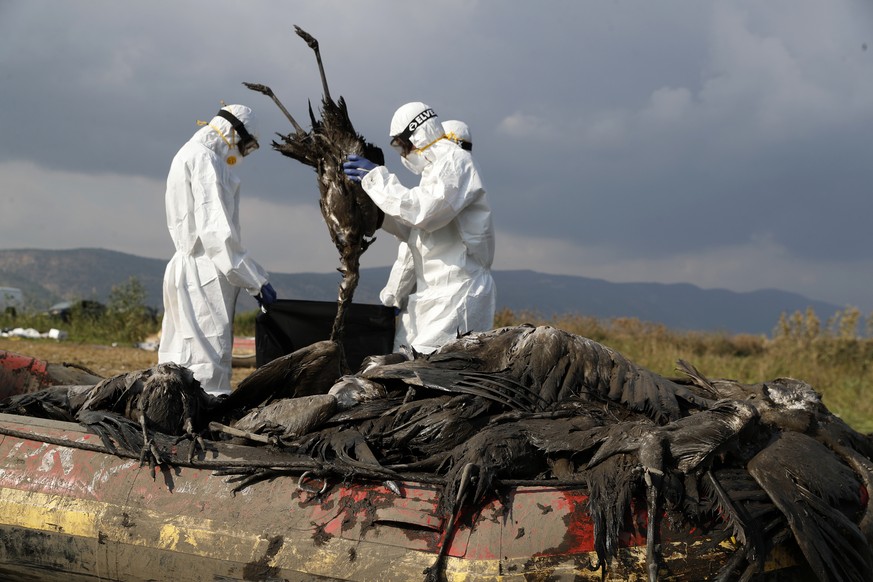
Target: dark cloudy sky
{"x": 723, "y": 144}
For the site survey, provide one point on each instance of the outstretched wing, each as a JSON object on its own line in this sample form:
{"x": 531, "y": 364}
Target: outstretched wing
{"x": 810, "y": 486}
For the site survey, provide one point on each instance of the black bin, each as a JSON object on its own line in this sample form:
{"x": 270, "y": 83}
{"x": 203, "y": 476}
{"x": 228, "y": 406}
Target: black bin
{"x": 291, "y": 324}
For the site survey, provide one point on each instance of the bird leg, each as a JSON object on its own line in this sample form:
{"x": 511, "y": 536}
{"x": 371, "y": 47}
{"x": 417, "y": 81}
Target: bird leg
{"x": 350, "y": 271}
{"x": 516, "y": 392}
{"x": 149, "y": 448}
{"x": 313, "y": 44}
{"x": 651, "y": 455}
{"x": 494, "y": 386}
{"x": 269, "y": 93}
{"x": 197, "y": 442}
{"x": 249, "y": 477}
{"x": 653, "y": 478}
{"x": 436, "y": 573}
{"x": 431, "y": 464}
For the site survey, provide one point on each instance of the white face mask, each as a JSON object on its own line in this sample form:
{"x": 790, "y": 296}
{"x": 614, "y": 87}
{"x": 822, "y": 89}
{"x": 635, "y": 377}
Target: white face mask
{"x": 415, "y": 162}
{"x": 233, "y": 158}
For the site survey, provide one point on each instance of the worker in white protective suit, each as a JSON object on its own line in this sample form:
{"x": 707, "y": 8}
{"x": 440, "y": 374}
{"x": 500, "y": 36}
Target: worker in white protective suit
{"x": 401, "y": 279}
{"x": 459, "y": 132}
{"x": 446, "y": 223}
{"x": 210, "y": 266}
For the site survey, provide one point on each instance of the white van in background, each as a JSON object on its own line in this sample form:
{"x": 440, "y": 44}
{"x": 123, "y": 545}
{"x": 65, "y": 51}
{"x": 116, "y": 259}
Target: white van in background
{"x": 11, "y": 300}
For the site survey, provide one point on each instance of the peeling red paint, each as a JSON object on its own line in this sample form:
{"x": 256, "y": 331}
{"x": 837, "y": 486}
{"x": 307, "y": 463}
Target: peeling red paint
{"x": 21, "y": 374}
{"x": 558, "y": 530}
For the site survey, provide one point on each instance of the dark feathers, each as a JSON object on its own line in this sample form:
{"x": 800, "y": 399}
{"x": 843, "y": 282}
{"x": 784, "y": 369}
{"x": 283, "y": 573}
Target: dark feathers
{"x": 351, "y": 216}
{"x": 765, "y": 463}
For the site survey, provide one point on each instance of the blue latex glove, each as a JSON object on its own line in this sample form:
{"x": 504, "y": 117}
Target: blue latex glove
{"x": 267, "y": 296}
{"x": 357, "y": 167}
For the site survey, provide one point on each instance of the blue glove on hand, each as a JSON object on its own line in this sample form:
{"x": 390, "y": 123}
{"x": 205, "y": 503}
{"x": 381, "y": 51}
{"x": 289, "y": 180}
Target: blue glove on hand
{"x": 267, "y": 296}
{"x": 357, "y": 167}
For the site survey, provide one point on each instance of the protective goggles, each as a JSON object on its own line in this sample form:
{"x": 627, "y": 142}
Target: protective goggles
{"x": 402, "y": 145}
{"x": 247, "y": 142}
{"x": 401, "y": 142}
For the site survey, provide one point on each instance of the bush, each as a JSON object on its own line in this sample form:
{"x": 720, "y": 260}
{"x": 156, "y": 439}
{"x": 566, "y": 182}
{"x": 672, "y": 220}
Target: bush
{"x": 125, "y": 319}
{"x": 127, "y": 316}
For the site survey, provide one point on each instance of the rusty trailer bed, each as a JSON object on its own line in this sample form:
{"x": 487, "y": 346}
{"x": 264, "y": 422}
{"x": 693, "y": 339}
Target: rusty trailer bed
{"x": 67, "y": 513}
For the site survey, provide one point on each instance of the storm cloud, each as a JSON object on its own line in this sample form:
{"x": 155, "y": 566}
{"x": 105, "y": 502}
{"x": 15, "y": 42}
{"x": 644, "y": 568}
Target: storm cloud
{"x": 723, "y": 144}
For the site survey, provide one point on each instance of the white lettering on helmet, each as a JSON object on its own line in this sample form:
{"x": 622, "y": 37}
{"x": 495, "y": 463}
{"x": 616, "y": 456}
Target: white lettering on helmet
{"x": 419, "y": 119}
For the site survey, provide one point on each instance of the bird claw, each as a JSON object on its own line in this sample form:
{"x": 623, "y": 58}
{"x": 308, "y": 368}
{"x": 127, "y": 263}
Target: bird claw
{"x": 151, "y": 452}
{"x": 198, "y": 445}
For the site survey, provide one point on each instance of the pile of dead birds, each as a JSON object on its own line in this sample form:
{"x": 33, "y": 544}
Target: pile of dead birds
{"x": 531, "y": 403}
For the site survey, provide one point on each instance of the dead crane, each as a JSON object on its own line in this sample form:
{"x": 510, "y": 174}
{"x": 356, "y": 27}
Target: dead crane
{"x": 762, "y": 463}
{"x": 766, "y": 463}
{"x": 164, "y": 400}
{"x": 351, "y": 217}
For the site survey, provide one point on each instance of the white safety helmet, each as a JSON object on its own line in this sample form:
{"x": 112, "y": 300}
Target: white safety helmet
{"x": 414, "y": 128}
{"x": 458, "y": 132}
{"x": 239, "y": 128}
{"x": 416, "y": 122}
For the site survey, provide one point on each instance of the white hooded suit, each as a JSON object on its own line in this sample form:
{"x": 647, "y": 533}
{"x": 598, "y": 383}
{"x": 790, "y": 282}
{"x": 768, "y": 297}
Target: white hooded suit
{"x": 210, "y": 265}
{"x": 446, "y": 223}
{"x": 401, "y": 279}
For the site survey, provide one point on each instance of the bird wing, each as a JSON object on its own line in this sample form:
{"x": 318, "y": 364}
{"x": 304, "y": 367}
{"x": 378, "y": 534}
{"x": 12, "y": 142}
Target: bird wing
{"x": 496, "y": 450}
{"x": 116, "y": 431}
{"x": 113, "y": 393}
{"x": 733, "y": 495}
{"x": 809, "y": 485}
{"x": 695, "y": 439}
{"x": 289, "y": 416}
{"x": 52, "y": 403}
{"x": 610, "y": 490}
{"x": 559, "y": 366}
{"x": 363, "y": 411}
{"x": 432, "y": 425}
{"x": 309, "y": 370}
{"x": 349, "y": 452}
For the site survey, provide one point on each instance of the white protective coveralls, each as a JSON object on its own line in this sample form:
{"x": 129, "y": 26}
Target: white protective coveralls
{"x": 210, "y": 265}
{"x": 446, "y": 223}
{"x": 401, "y": 279}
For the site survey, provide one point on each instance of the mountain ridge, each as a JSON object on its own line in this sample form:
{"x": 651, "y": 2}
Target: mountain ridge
{"x": 49, "y": 276}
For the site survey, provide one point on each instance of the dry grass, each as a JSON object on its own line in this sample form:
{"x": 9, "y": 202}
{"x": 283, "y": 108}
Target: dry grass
{"x": 832, "y": 357}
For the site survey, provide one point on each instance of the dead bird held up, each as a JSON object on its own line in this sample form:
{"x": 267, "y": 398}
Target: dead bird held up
{"x": 351, "y": 217}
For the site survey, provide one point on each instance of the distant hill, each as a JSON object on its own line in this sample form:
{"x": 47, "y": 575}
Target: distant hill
{"x": 48, "y": 276}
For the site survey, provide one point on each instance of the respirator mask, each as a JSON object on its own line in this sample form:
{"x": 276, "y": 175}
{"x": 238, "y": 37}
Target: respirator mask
{"x": 246, "y": 142}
